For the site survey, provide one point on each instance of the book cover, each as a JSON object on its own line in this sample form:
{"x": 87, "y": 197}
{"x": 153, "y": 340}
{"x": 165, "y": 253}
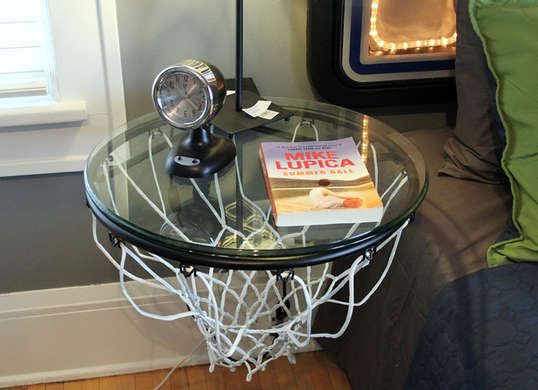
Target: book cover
{"x": 318, "y": 183}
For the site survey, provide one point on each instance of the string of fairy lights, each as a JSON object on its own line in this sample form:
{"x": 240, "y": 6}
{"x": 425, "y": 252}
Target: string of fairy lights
{"x": 406, "y": 45}
{"x": 365, "y": 141}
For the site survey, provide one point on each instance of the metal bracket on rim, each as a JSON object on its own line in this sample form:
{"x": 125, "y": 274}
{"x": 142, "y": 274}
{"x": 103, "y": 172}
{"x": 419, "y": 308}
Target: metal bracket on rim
{"x": 114, "y": 240}
{"x": 285, "y": 275}
{"x": 187, "y": 270}
{"x": 307, "y": 122}
{"x": 155, "y": 132}
{"x": 370, "y": 253}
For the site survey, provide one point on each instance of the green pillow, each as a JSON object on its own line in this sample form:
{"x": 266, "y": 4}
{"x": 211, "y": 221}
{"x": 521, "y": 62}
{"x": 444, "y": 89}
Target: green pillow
{"x": 509, "y": 33}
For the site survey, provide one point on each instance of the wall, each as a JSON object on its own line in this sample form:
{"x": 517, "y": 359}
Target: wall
{"x": 155, "y": 34}
{"x": 44, "y": 224}
{"x": 45, "y": 240}
{"x": 45, "y": 236}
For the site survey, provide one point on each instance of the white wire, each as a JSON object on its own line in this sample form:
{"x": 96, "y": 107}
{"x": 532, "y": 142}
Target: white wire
{"x": 152, "y": 205}
{"x": 145, "y": 313}
{"x": 228, "y": 338}
{"x": 184, "y": 360}
{"x": 152, "y": 164}
{"x": 393, "y": 195}
{"x": 219, "y": 218}
{"x": 401, "y": 181}
{"x": 113, "y": 261}
{"x": 391, "y": 185}
{"x": 302, "y": 123}
{"x": 109, "y": 188}
{"x": 265, "y": 216}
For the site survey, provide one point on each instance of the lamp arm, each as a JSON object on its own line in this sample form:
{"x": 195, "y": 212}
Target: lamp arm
{"x": 239, "y": 55}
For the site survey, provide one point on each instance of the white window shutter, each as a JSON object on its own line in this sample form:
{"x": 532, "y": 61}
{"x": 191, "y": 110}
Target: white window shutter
{"x": 24, "y": 61}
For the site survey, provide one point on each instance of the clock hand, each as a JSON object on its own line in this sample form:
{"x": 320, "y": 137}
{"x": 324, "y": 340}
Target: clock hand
{"x": 191, "y": 103}
{"x": 191, "y": 90}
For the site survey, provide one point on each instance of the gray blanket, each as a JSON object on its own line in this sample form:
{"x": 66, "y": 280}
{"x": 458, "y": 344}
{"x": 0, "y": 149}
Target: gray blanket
{"x": 453, "y": 228}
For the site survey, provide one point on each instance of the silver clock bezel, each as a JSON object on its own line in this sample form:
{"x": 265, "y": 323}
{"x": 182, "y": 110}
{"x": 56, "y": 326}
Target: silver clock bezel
{"x": 214, "y": 91}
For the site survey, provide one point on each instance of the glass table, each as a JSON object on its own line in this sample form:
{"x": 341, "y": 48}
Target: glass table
{"x": 251, "y": 287}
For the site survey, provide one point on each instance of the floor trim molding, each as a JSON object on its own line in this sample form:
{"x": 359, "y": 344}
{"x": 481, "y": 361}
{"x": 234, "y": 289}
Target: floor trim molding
{"x": 90, "y": 331}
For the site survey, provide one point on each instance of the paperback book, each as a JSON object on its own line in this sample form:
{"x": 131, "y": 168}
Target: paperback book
{"x": 318, "y": 183}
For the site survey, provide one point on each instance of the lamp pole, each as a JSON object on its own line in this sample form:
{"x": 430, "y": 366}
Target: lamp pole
{"x": 239, "y": 55}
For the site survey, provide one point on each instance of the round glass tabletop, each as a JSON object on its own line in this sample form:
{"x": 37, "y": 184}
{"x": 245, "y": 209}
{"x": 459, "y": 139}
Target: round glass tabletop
{"x": 225, "y": 220}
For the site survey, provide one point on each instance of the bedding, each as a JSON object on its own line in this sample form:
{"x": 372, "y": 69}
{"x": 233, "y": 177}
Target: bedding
{"x": 508, "y": 29}
{"x": 474, "y": 151}
{"x": 453, "y": 228}
{"x": 481, "y": 333}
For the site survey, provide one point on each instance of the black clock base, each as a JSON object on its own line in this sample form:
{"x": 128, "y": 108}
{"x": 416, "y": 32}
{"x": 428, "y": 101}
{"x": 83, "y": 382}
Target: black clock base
{"x": 199, "y": 154}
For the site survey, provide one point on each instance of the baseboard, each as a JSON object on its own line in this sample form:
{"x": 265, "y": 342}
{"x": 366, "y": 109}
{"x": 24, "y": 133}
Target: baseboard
{"x": 90, "y": 331}
{"x": 96, "y": 371}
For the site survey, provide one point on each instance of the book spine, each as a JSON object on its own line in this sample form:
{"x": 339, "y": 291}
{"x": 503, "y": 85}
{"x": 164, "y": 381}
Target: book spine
{"x": 267, "y": 180}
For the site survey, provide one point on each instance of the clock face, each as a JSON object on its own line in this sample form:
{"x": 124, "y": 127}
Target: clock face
{"x": 189, "y": 94}
{"x": 182, "y": 98}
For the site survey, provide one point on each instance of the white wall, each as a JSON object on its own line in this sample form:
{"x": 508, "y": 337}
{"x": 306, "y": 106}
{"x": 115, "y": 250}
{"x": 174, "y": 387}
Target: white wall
{"x": 158, "y": 33}
{"x": 55, "y": 135}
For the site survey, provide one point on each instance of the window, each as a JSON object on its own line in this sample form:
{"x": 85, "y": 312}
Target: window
{"x": 61, "y": 88}
{"x": 24, "y": 59}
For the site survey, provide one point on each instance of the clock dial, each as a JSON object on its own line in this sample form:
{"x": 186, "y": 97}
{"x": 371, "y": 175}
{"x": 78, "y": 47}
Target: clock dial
{"x": 189, "y": 94}
{"x": 182, "y": 97}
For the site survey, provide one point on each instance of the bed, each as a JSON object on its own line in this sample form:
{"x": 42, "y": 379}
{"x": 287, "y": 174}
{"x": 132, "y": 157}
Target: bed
{"x": 453, "y": 228}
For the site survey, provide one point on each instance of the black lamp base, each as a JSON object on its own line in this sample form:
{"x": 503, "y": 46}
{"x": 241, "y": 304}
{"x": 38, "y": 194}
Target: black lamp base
{"x": 199, "y": 153}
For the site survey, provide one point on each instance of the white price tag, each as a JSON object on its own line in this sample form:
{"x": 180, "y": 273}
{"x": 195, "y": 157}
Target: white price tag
{"x": 269, "y": 114}
{"x": 259, "y": 108}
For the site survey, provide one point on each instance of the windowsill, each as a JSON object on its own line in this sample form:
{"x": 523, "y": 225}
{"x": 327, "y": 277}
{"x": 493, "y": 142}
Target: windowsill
{"x": 30, "y": 112}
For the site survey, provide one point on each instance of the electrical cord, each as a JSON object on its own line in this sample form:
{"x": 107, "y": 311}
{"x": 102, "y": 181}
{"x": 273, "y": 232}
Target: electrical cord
{"x": 184, "y": 360}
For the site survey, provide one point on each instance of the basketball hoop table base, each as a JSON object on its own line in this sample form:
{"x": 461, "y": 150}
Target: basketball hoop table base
{"x": 248, "y": 317}
{"x": 198, "y": 230}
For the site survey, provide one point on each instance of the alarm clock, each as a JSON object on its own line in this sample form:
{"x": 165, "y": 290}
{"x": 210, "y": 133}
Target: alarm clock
{"x": 188, "y": 96}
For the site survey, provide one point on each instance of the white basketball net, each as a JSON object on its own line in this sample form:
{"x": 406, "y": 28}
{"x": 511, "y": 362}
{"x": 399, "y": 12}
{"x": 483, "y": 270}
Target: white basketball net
{"x": 247, "y": 317}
